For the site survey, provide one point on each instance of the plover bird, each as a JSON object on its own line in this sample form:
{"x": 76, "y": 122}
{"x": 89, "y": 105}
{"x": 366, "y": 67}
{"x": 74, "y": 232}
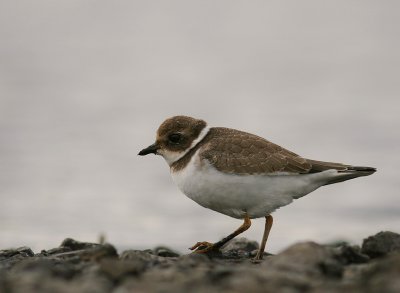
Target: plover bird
{"x": 239, "y": 174}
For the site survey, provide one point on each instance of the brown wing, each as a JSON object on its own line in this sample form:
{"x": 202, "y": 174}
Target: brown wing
{"x": 233, "y": 151}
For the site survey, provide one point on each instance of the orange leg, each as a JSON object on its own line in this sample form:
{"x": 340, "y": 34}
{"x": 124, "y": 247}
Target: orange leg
{"x": 204, "y": 247}
{"x": 268, "y": 225}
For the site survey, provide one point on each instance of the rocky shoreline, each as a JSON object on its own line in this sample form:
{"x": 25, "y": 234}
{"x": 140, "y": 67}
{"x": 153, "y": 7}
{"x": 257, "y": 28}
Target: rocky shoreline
{"x": 303, "y": 267}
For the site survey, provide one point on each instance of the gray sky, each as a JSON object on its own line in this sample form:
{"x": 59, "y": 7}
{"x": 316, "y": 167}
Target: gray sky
{"x": 85, "y": 84}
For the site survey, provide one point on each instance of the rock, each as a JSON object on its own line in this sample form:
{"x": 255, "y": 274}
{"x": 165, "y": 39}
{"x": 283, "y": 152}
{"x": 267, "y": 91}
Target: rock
{"x": 146, "y": 256}
{"x": 71, "y": 248}
{"x": 117, "y": 270}
{"x": 21, "y": 251}
{"x": 9, "y": 257}
{"x": 95, "y": 252}
{"x": 241, "y": 244}
{"x": 3, "y": 281}
{"x": 239, "y": 248}
{"x": 56, "y": 250}
{"x": 76, "y": 245}
{"x": 187, "y": 273}
{"x": 40, "y": 274}
{"x": 99, "y": 252}
{"x": 32, "y": 282}
{"x": 309, "y": 259}
{"x": 165, "y": 252}
{"x": 266, "y": 279}
{"x": 383, "y": 275}
{"x": 189, "y": 261}
{"x": 348, "y": 254}
{"x": 46, "y": 266}
{"x": 381, "y": 244}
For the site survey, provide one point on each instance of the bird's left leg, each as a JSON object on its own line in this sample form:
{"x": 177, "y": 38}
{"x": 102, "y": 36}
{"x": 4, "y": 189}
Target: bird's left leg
{"x": 204, "y": 247}
{"x": 268, "y": 224}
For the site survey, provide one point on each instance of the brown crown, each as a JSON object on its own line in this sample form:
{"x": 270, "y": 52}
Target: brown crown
{"x": 188, "y": 129}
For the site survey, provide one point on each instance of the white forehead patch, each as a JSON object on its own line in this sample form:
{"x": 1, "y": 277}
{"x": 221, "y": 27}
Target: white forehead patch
{"x": 171, "y": 156}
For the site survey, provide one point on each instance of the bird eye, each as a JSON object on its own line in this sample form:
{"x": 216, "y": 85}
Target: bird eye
{"x": 175, "y": 138}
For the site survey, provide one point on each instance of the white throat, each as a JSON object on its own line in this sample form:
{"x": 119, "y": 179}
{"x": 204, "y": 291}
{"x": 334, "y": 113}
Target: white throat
{"x": 171, "y": 157}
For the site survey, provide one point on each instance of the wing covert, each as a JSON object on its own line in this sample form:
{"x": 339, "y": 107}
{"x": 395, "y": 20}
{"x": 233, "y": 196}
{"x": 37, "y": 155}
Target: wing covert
{"x": 233, "y": 151}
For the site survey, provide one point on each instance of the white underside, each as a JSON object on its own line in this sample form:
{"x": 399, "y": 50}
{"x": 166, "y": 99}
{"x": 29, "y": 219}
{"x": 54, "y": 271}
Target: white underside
{"x": 237, "y": 195}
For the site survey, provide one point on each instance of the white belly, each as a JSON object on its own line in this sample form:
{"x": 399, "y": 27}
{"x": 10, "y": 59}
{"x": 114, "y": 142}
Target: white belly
{"x": 236, "y": 195}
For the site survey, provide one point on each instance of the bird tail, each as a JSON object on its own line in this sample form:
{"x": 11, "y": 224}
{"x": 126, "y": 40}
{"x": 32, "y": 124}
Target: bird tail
{"x": 345, "y": 172}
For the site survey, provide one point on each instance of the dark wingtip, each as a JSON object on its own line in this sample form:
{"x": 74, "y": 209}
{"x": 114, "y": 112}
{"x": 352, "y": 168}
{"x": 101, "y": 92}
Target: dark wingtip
{"x": 362, "y": 169}
{"x": 366, "y": 170}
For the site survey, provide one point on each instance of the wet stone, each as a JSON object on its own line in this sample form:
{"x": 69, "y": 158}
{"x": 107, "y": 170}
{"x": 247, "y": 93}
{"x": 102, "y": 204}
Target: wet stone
{"x": 381, "y": 244}
{"x": 307, "y": 258}
{"x": 240, "y": 244}
{"x": 56, "y": 250}
{"x": 72, "y": 244}
{"x": 46, "y": 266}
{"x": 348, "y": 254}
{"x": 146, "y": 256}
{"x": 383, "y": 275}
{"x": 117, "y": 270}
{"x": 165, "y": 252}
{"x": 193, "y": 260}
{"x": 21, "y": 251}
{"x": 9, "y": 257}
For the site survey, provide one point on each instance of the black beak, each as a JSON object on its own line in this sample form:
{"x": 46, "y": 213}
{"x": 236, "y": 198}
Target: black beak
{"x": 149, "y": 150}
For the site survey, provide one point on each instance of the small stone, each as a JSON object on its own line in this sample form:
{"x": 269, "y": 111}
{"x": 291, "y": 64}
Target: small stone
{"x": 383, "y": 275}
{"x": 165, "y": 252}
{"x": 138, "y": 255}
{"x": 381, "y": 244}
{"x": 241, "y": 244}
{"x": 234, "y": 254}
{"x": 45, "y": 267}
{"x": 76, "y": 245}
{"x": 220, "y": 272}
{"x": 95, "y": 253}
{"x": 307, "y": 258}
{"x": 100, "y": 252}
{"x": 192, "y": 260}
{"x": 350, "y": 254}
{"x": 21, "y": 251}
{"x": 117, "y": 269}
{"x": 56, "y": 250}
{"x": 10, "y": 257}
{"x": 354, "y": 272}
{"x": 148, "y": 258}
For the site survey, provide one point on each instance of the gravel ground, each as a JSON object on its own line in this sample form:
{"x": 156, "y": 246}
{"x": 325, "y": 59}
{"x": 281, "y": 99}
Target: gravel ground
{"x": 303, "y": 267}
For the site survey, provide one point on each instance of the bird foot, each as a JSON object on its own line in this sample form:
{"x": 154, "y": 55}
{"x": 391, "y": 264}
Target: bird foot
{"x": 258, "y": 257}
{"x": 204, "y": 247}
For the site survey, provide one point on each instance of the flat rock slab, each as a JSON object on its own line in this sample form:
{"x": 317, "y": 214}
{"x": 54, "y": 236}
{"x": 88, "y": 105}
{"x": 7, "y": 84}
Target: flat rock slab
{"x": 303, "y": 267}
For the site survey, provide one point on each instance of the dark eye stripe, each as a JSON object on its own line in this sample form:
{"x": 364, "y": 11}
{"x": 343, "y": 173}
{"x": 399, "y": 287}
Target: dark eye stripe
{"x": 174, "y": 138}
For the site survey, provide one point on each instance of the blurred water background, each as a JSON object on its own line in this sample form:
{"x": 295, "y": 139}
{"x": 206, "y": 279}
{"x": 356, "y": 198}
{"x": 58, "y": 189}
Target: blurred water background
{"x": 85, "y": 84}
